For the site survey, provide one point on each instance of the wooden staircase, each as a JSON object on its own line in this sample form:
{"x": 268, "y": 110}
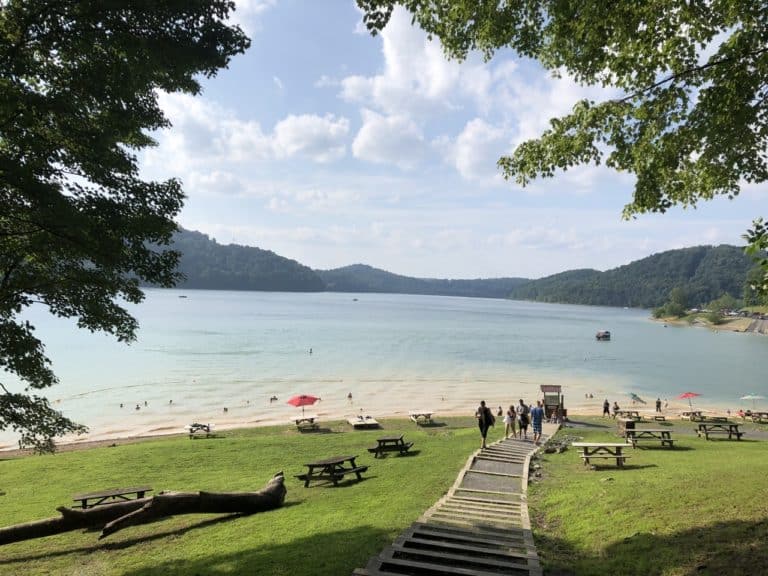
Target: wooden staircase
{"x": 480, "y": 528}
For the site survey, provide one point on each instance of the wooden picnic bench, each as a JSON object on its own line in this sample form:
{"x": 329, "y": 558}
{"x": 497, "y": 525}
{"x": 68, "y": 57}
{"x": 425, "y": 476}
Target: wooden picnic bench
{"x": 714, "y": 419}
{"x": 602, "y": 451}
{"x": 657, "y": 417}
{"x": 759, "y": 417}
{"x": 109, "y": 496}
{"x": 628, "y": 414}
{"x": 421, "y": 416}
{"x": 691, "y": 415}
{"x": 662, "y": 435}
{"x": 196, "y": 427}
{"x": 730, "y": 428}
{"x": 332, "y": 469}
{"x": 390, "y": 444}
{"x": 306, "y": 422}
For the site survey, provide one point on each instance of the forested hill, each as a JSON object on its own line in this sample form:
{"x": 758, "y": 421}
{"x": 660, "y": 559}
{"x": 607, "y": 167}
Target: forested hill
{"x": 207, "y": 264}
{"x": 362, "y": 278}
{"x": 705, "y": 272}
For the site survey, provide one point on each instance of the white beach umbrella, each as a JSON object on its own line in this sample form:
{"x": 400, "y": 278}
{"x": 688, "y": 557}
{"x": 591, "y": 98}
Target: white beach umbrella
{"x": 752, "y": 397}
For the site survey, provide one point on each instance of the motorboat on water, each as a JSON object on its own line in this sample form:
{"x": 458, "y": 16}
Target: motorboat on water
{"x": 603, "y": 335}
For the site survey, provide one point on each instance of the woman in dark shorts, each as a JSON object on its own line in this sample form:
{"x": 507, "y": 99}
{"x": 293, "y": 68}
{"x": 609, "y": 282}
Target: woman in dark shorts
{"x": 485, "y": 420}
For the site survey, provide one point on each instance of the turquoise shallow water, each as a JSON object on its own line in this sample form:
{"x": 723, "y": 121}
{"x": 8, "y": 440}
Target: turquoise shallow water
{"x": 216, "y": 349}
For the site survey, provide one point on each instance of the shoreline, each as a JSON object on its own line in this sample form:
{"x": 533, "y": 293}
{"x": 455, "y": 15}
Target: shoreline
{"x": 584, "y": 407}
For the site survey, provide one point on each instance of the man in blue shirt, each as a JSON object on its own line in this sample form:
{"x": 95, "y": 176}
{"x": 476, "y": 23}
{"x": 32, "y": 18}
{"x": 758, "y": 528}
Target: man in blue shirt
{"x": 537, "y": 416}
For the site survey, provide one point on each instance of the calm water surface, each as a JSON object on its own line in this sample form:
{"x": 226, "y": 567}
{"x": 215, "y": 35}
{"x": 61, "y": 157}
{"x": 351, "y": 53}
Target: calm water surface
{"x": 236, "y": 349}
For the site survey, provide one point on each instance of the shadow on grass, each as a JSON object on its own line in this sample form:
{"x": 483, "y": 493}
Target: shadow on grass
{"x": 106, "y": 545}
{"x": 580, "y": 424}
{"x": 627, "y": 467}
{"x": 677, "y": 448}
{"x": 326, "y": 553}
{"x": 723, "y": 549}
{"x": 432, "y": 424}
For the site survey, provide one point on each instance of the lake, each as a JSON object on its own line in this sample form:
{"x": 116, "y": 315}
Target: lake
{"x": 199, "y": 352}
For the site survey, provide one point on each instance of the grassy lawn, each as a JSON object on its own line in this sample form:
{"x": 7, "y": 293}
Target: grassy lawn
{"x": 320, "y": 530}
{"x": 700, "y": 508}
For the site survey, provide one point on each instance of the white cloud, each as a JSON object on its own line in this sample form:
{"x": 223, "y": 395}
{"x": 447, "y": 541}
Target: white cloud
{"x": 326, "y": 81}
{"x": 321, "y": 139}
{"x": 248, "y": 12}
{"x": 416, "y": 78}
{"x": 476, "y": 150}
{"x": 389, "y": 140}
{"x": 204, "y": 132}
{"x": 278, "y": 83}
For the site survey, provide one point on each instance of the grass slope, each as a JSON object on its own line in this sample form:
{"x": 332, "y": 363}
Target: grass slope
{"x": 320, "y": 530}
{"x": 700, "y": 508}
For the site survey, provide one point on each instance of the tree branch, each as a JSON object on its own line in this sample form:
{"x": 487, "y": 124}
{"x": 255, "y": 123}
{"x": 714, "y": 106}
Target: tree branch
{"x": 672, "y": 77}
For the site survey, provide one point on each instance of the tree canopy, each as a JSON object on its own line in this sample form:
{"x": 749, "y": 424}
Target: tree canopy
{"x": 691, "y": 122}
{"x": 78, "y": 99}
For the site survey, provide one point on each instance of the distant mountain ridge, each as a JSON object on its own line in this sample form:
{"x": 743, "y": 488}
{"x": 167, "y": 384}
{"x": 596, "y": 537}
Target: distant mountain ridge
{"x": 209, "y": 265}
{"x": 706, "y": 272}
{"x": 364, "y": 278}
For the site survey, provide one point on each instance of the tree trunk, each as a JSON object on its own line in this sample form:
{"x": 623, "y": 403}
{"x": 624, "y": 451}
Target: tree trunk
{"x": 114, "y": 517}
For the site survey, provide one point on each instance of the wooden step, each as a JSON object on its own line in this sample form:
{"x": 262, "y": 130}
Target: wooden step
{"x": 474, "y": 513}
{"x": 448, "y": 564}
{"x": 455, "y": 557}
{"x": 511, "y": 534}
{"x": 501, "y": 540}
{"x": 515, "y": 502}
{"x": 464, "y": 548}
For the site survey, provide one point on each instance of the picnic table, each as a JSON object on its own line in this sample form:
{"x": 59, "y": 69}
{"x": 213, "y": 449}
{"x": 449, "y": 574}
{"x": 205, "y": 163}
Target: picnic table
{"x": 196, "y": 427}
{"x": 714, "y": 419}
{"x": 730, "y": 428}
{"x": 624, "y": 424}
{"x": 663, "y": 435}
{"x": 656, "y": 417}
{"x": 421, "y": 416}
{"x": 691, "y": 415}
{"x": 109, "y": 496}
{"x": 759, "y": 417}
{"x": 390, "y": 444}
{"x": 306, "y": 422}
{"x": 628, "y": 414}
{"x": 602, "y": 451}
{"x": 332, "y": 469}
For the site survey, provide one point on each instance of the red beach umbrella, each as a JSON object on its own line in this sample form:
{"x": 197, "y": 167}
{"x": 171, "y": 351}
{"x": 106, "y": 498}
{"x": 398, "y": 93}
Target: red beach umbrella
{"x": 688, "y": 396}
{"x": 302, "y": 400}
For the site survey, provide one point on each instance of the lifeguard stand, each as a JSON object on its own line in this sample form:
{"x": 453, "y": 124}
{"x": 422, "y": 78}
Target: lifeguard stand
{"x": 554, "y": 404}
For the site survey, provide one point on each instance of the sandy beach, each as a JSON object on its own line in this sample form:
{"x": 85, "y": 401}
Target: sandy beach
{"x": 338, "y": 408}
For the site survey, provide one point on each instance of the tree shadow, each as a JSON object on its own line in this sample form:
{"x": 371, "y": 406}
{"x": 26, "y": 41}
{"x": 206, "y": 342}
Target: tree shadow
{"x": 330, "y": 553}
{"x": 432, "y": 424}
{"x": 722, "y": 549}
{"x": 106, "y": 545}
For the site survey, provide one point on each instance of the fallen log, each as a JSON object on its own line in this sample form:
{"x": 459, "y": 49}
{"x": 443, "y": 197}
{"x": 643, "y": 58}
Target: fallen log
{"x": 114, "y": 517}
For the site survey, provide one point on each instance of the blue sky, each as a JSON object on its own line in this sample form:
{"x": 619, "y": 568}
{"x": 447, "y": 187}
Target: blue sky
{"x": 332, "y": 147}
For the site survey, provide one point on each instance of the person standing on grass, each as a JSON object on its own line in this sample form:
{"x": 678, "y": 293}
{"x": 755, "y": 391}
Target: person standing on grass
{"x": 485, "y": 420}
{"x": 509, "y": 422}
{"x": 606, "y": 408}
{"x": 537, "y": 417}
{"x": 522, "y": 418}
{"x": 615, "y": 408}
{"x": 658, "y": 404}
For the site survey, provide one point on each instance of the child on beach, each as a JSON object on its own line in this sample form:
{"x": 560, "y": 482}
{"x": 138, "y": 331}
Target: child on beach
{"x": 509, "y": 423}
